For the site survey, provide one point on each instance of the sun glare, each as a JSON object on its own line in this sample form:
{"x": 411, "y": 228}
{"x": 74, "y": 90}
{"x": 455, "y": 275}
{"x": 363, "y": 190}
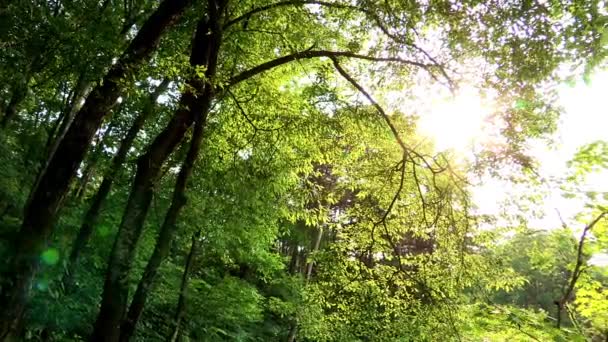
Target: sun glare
{"x": 456, "y": 123}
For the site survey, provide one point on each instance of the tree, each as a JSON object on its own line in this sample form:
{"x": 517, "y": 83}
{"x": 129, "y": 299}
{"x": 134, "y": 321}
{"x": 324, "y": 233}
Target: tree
{"x": 277, "y": 141}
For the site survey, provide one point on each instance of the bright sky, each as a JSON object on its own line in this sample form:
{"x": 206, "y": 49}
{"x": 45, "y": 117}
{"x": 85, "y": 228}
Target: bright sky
{"x": 459, "y": 123}
{"x": 584, "y": 121}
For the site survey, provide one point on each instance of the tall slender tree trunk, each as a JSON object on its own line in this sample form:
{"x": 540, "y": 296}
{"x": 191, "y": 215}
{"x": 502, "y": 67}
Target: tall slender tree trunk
{"x": 293, "y": 330}
{"x": 46, "y": 200}
{"x": 194, "y": 101}
{"x": 87, "y": 174}
{"x": 558, "y": 311}
{"x": 294, "y": 262}
{"x": 579, "y": 268}
{"x": 95, "y": 156}
{"x": 54, "y": 128}
{"x": 315, "y": 248}
{"x": 167, "y": 231}
{"x": 92, "y": 214}
{"x": 80, "y": 92}
{"x": 180, "y": 311}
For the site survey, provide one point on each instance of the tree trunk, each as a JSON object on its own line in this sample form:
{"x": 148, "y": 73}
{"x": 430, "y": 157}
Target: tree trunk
{"x": 90, "y": 218}
{"x": 114, "y": 299}
{"x": 293, "y": 330}
{"x": 60, "y": 129}
{"x": 292, "y": 333}
{"x": 167, "y": 231}
{"x": 315, "y": 248}
{"x": 81, "y": 90}
{"x": 87, "y": 174}
{"x": 10, "y": 111}
{"x": 559, "y": 308}
{"x": 54, "y": 128}
{"x": 47, "y": 198}
{"x": 95, "y": 156}
{"x": 183, "y": 288}
{"x": 19, "y": 94}
{"x": 294, "y": 262}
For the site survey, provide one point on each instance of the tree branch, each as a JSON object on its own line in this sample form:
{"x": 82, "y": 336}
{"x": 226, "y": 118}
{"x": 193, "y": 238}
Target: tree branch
{"x": 561, "y": 219}
{"x": 380, "y": 110}
{"x": 402, "y": 163}
{"x": 370, "y": 13}
{"x": 576, "y": 273}
{"x": 248, "y": 119}
{"x": 291, "y": 3}
{"x": 308, "y": 54}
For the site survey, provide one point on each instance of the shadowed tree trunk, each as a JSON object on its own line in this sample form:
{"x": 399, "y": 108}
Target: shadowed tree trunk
{"x": 167, "y": 231}
{"x": 90, "y": 218}
{"x": 79, "y": 94}
{"x": 193, "y": 103}
{"x": 87, "y": 174}
{"x": 183, "y": 288}
{"x": 293, "y": 331}
{"x": 46, "y": 200}
{"x": 54, "y": 128}
{"x": 61, "y": 127}
{"x": 95, "y": 155}
{"x": 294, "y": 262}
{"x": 19, "y": 93}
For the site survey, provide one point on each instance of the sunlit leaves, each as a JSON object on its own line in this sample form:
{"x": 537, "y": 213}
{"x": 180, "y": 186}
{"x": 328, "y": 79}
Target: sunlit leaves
{"x": 592, "y": 303}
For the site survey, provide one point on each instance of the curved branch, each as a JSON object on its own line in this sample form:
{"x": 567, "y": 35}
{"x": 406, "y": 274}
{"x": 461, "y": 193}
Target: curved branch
{"x": 576, "y": 273}
{"x": 380, "y": 110}
{"x": 308, "y": 54}
{"x": 578, "y": 267}
{"x": 370, "y": 13}
{"x": 401, "y": 164}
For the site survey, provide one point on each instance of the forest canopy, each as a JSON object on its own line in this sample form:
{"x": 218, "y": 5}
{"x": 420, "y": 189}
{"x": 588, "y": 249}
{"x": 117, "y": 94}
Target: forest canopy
{"x": 239, "y": 170}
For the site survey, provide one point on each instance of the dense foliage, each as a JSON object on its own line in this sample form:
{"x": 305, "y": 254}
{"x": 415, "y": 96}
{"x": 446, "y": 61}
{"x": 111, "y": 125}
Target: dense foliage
{"x": 229, "y": 170}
